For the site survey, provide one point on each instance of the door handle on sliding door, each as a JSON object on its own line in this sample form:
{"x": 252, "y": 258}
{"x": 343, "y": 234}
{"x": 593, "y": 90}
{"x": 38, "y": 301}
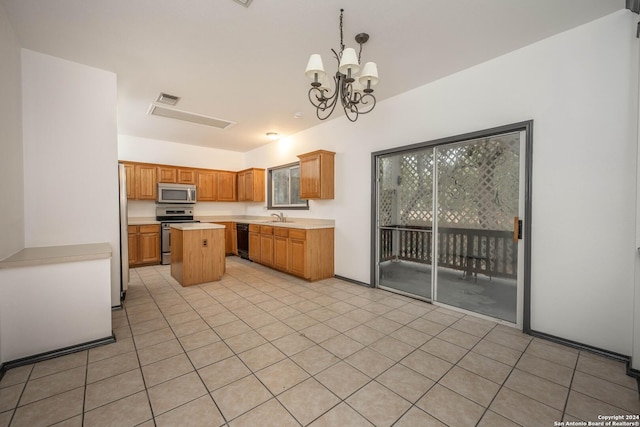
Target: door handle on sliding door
{"x": 517, "y": 229}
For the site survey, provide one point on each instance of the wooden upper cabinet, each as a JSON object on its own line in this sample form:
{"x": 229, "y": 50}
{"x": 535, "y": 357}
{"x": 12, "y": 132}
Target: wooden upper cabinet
{"x": 186, "y": 176}
{"x": 176, "y": 175}
{"x": 167, "y": 174}
{"x": 146, "y": 180}
{"x": 317, "y": 175}
{"x": 207, "y": 186}
{"x": 227, "y": 186}
{"x": 254, "y": 246}
{"x": 131, "y": 183}
{"x": 211, "y": 185}
{"x": 251, "y": 185}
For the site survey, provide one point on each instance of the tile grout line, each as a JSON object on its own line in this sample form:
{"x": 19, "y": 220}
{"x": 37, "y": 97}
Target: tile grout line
{"x": 256, "y": 278}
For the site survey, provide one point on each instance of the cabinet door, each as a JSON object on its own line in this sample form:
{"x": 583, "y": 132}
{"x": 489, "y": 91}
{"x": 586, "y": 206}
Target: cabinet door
{"x": 317, "y": 175}
{"x": 131, "y": 180}
{"x": 234, "y": 239}
{"x": 226, "y": 186}
{"x": 167, "y": 174}
{"x": 149, "y": 244}
{"x": 297, "y": 257}
{"x": 230, "y": 234}
{"x": 310, "y": 177}
{"x": 254, "y": 247}
{"x": 248, "y": 186}
{"x": 266, "y": 249}
{"x": 228, "y": 237}
{"x": 257, "y": 185}
{"x": 281, "y": 253}
{"x": 134, "y": 250}
{"x": 242, "y": 191}
{"x": 207, "y": 187}
{"x": 186, "y": 176}
{"x": 146, "y": 182}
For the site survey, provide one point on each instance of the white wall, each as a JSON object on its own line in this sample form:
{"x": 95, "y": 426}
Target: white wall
{"x": 136, "y": 149}
{"x": 11, "y": 172}
{"x": 70, "y": 156}
{"x": 11, "y": 169}
{"x": 579, "y": 87}
{"x": 61, "y": 305}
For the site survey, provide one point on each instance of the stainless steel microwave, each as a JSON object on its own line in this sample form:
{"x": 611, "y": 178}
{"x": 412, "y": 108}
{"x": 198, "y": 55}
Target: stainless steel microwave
{"x": 176, "y": 193}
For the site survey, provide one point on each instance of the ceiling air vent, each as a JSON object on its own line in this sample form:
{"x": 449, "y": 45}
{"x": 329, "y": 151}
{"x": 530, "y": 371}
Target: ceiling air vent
{"x": 157, "y": 110}
{"x": 165, "y": 98}
{"x": 245, "y": 3}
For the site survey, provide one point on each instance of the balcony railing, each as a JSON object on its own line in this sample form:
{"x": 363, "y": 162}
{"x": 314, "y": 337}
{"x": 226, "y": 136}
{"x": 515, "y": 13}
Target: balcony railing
{"x": 473, "y": 251}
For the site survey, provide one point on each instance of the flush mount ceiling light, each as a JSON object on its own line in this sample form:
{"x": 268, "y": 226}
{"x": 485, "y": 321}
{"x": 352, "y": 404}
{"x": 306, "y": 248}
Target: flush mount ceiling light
{"x": 273, "y": 136}
{"x": 354, "y": 93}
{"x": 172, "y": 113}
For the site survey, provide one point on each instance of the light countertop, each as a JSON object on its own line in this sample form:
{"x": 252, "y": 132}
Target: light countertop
{"x": 29, "y": 257}
{"x": 302, "y": 223}
{"x": 186, "y": 226}
{"x": 142, "y": 221}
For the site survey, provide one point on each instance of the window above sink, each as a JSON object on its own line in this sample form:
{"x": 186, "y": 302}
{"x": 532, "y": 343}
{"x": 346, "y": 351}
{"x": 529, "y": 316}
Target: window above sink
{"x": 283, "y": 187}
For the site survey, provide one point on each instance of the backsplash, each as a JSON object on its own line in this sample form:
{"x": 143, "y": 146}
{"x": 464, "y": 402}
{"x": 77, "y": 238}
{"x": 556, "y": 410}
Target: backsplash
{"x": 147, "y": 208}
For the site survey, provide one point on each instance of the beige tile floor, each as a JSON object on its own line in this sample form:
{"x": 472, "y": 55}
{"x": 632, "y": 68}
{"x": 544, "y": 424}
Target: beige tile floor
{"x": 260, "y": 348}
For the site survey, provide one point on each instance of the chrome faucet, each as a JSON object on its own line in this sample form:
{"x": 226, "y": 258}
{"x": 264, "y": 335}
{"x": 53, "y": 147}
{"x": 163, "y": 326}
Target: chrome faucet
{"x": 280, "y": 217}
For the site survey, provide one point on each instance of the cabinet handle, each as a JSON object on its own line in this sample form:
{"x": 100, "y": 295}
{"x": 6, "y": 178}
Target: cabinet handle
{"x": 517, "y": 229}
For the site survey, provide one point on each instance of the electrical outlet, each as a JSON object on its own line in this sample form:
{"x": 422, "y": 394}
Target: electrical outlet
{"x": 205, "y": 242}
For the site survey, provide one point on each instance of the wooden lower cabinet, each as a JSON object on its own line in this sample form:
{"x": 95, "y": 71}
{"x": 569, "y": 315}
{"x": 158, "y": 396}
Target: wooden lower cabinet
{"x": 234, "y": 239}
{"x": 230, "y": 238}
{"x": 266, "y": 245}
{"x": 144, "y": 245}
{"x": 281, "y": 249}
{"x": 298, "y": 253}
{"x": 254, "y": 242}
{"x": 311, "y": 253}
{"x": 303, "y": 253}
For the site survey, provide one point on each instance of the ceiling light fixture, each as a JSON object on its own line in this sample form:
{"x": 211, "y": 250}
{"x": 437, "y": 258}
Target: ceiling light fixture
{"x": 273, "y": 136}
{"x": 355, "y": 93}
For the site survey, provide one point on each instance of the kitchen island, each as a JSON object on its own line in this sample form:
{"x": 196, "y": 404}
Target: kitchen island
{"x": 197, "y": 252}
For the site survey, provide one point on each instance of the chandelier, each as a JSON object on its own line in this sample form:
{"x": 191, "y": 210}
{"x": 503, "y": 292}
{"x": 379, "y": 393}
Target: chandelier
{"x": 355, "y": 93}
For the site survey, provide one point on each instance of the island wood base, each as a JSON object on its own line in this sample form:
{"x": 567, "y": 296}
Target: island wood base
{"x": 197, "y": 254}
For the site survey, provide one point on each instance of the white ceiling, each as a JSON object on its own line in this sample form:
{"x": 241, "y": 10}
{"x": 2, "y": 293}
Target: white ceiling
{"x": 246, "y": 65}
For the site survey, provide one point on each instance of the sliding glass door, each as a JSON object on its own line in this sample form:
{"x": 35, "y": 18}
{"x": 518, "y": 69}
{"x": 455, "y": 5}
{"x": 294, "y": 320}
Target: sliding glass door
{"x": 448, "y": 223}
{"x": 405, "y": 219}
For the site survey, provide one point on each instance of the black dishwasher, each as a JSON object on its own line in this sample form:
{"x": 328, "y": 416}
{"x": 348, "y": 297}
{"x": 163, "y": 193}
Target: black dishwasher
{"x": 243, "y": 240}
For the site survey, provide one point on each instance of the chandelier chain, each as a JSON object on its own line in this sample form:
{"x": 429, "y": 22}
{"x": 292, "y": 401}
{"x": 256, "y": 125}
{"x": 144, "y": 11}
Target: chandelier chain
{"x": 341, "y": 36}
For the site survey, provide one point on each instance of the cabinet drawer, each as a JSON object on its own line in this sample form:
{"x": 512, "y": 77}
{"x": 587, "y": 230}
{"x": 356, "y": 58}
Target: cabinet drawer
{"x": 149, "y": 228}
{"x": 297, "y": 234}
{"x": 281, "y": 232}
{"x": 132, "y": 229}
{"x": 266, "y": 229}
{"x": 254, "y": 228}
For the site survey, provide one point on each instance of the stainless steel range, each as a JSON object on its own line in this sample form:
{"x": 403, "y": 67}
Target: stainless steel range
{"x": 168, "y": 215}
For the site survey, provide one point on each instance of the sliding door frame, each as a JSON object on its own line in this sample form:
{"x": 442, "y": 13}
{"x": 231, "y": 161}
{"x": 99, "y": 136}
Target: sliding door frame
{"x": 527, "y": 128}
